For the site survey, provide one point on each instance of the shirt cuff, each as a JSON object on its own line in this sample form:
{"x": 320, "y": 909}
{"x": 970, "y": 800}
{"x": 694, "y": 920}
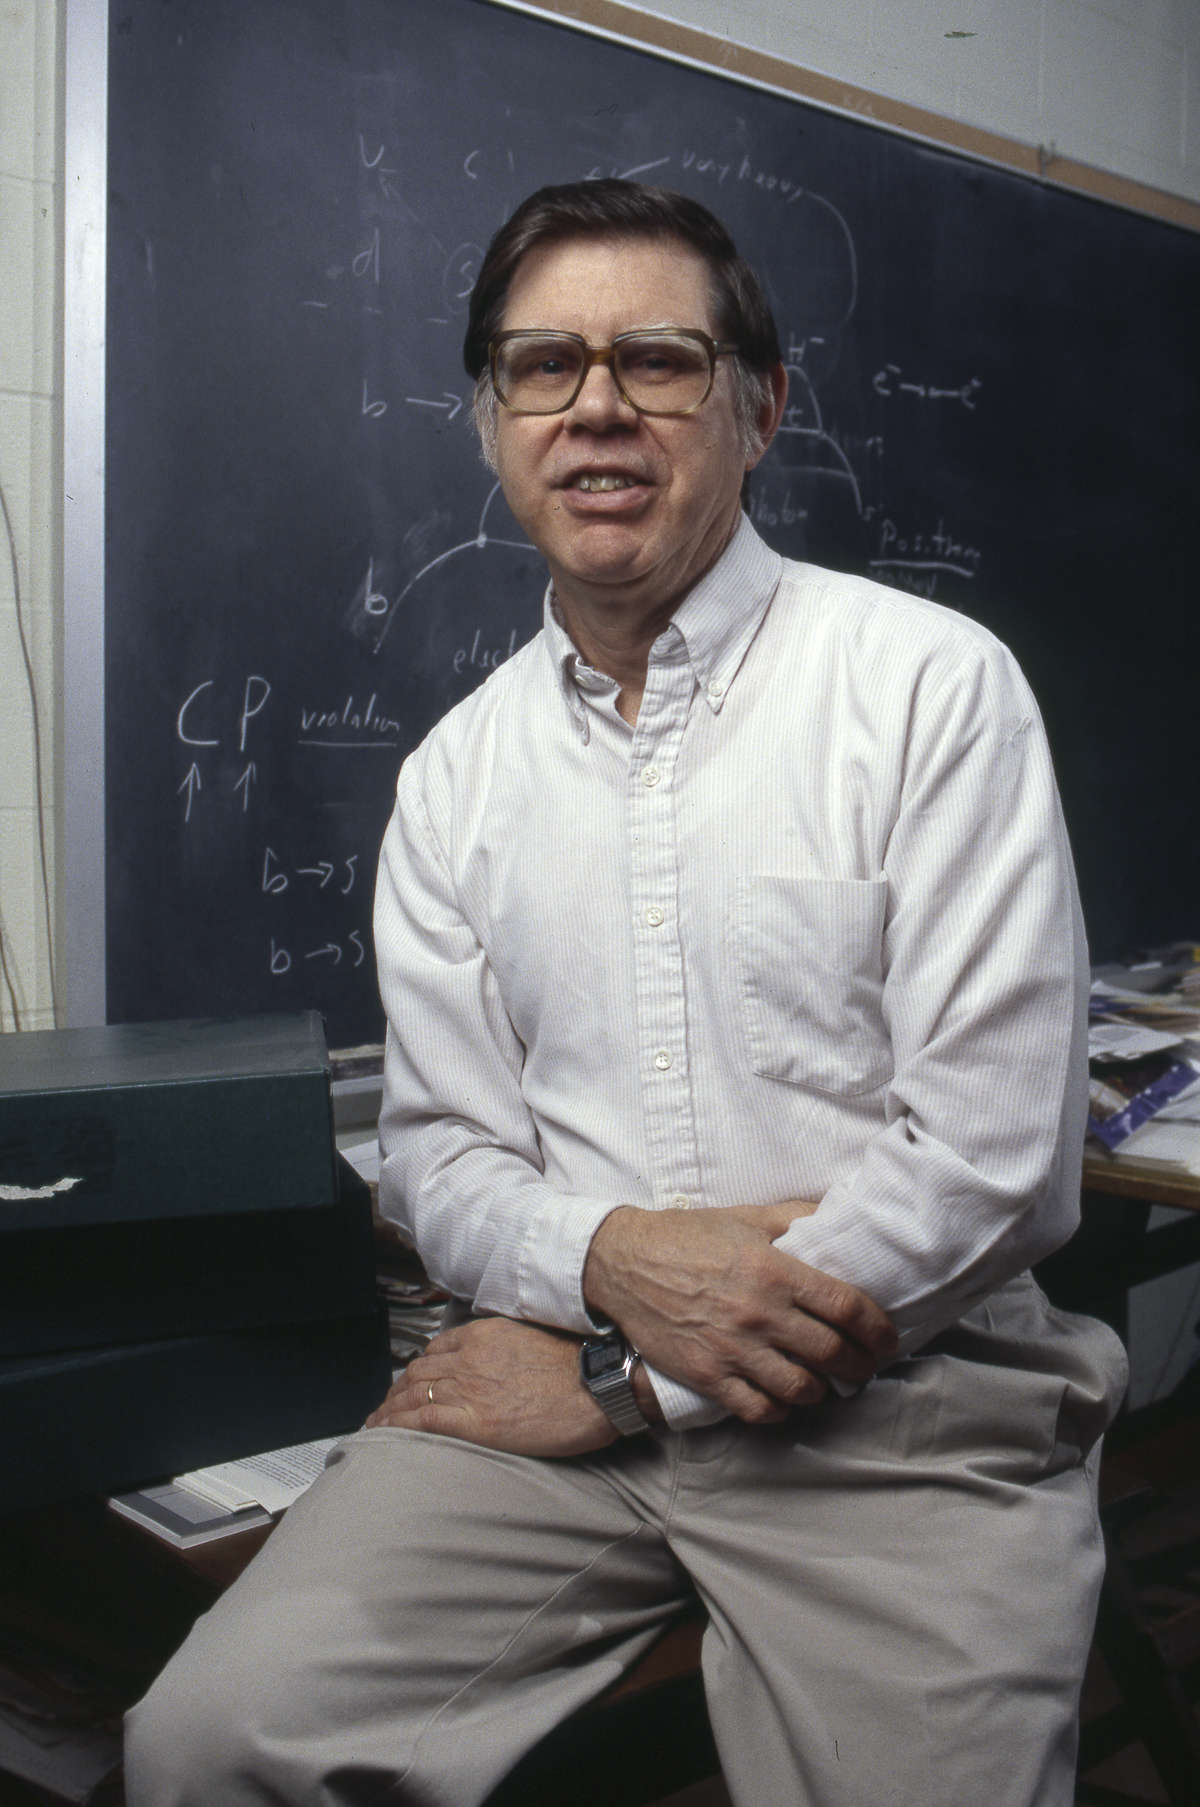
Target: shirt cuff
{"x": 554, "y": 1250}
{"x": 683, "y": 1408}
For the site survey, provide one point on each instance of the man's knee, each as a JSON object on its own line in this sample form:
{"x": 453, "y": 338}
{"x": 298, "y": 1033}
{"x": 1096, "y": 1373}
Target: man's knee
{"x": 190, "y": 1740}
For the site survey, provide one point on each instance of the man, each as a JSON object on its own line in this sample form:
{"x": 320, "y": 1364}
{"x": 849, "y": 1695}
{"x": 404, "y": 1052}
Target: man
{"x": 735, "y": 1077}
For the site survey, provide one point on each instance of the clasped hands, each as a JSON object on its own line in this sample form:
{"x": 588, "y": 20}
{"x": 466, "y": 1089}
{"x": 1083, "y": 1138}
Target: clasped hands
{"x": 704, "y": 1295}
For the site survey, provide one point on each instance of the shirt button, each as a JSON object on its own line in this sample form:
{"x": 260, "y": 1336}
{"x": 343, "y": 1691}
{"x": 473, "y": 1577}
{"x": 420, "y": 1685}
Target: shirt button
{"x": 715, "y": 690}
{"x": 655, "y": 917}
{"x": 651, "y": 775}
{"x": 662, "y": 1060}
{"x": 681, "y": 1201}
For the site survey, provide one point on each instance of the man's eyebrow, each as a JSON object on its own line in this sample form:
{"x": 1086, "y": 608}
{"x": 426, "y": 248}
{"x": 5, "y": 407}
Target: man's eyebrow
{"x": 649, "y": 326}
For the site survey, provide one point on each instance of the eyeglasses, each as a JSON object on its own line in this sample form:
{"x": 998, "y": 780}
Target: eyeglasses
{"x": 664, "y": 371}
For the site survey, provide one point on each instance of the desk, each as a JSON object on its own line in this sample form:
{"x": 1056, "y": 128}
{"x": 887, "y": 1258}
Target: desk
{"x": 1114, "y": 1247}
{"x": 1127, "y": 1178}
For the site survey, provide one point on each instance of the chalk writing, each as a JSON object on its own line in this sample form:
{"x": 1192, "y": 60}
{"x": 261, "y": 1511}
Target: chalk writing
{"x": 782, "y": 514}
{"x": 742, "y": 170}
{"x": 191, "y": 784}
{"x": 890, "y": 381}
{"x": 484, "y": 657}
{"x": 366, "y": 263}
{"x": 325, "y": 879}
{"x": 634, "y": 172}
{"x": 458, "y": 278}
{"x": 378, "y": 167}
{"x": 479, "y": 543}
{"x": 351, "y": 725}
{"x": 273, "y": 880}
{"x": 448, "y": 402}
{"x": 374, "y": 601}
{"x": 334, "y": 949}
{"x": 194, "y": 740}
{"x": 324, "y": 870}
{"x": 353, "y": 951}
{"x": 188, "y": 722}
{"x": 803, "y": 423}
{"x": 923, "y": 550}
{"x": 244, "y": 783}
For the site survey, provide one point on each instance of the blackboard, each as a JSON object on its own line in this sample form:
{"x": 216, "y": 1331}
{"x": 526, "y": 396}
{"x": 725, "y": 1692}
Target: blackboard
{"x": 993, "y": 402}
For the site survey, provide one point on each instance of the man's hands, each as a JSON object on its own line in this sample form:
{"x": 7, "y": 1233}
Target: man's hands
{"x": 509, "y": 1386}
{"x": 706, "y": 1297}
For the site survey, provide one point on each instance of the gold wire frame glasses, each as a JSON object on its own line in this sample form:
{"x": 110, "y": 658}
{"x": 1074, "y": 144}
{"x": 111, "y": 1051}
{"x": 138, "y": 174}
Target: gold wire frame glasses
{"x": 665, "y": 370}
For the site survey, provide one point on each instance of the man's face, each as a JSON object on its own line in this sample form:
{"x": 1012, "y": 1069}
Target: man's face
{"x": 646, "y": 542}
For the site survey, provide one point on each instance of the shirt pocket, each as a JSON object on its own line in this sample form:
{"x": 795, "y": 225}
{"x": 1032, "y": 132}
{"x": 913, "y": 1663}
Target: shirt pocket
{"x": 809, "y": 958}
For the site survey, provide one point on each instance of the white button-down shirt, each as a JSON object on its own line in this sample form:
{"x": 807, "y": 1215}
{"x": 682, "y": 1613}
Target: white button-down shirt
{"x": 809, "y": 930}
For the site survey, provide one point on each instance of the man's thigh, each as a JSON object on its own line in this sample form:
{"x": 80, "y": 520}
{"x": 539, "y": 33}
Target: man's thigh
{"x": 901, "y": 1604}
{"x": 403, "y": 1632}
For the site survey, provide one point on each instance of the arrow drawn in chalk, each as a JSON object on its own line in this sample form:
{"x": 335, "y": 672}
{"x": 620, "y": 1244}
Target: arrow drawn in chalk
{"x": 191, "y": 784}
{"x": 451, "y": 402}
{"x": 244, "y": 782}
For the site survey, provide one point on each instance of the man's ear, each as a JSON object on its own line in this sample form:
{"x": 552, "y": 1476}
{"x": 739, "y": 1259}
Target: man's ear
{"x": 771, "y": 412}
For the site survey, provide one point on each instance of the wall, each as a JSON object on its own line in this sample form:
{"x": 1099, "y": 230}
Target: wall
{"x": 30, "y": 465}
{"x": 1114, "y": 83}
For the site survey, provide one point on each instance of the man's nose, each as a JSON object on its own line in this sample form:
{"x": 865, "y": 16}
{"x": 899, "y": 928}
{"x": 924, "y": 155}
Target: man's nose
{"x": 600, "y": 401}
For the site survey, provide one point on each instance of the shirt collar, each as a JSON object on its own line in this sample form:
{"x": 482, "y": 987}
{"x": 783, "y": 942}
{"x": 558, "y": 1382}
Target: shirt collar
{"x": 712, "y": 627}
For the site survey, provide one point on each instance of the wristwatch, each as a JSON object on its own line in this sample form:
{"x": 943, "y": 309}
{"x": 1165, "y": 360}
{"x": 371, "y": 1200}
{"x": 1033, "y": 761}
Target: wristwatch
{"x": 606, "y": 1365}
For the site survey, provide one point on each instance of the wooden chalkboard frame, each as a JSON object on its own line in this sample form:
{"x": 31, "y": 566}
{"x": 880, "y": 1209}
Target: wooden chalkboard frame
{"x": 688, "y": 44}
{"x": 84, "y": 379}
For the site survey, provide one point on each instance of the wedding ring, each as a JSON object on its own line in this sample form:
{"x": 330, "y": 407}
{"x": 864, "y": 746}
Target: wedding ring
{"x": 429, "y": 1392}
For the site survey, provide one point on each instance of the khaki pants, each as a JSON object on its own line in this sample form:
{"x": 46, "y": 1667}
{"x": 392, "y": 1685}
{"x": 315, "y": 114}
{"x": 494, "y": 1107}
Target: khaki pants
{"x": 900, "y": 1586}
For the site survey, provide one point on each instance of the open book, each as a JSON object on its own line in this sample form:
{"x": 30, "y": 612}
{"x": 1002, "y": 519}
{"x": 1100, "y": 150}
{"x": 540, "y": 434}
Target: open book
{"x": 231, "y": 1496}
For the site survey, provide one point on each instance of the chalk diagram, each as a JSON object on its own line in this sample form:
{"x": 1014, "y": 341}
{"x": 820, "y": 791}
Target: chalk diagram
{"x": 803, "y": 444}
{"x": 481, "y": 541}
{"x": 445, "y": 620}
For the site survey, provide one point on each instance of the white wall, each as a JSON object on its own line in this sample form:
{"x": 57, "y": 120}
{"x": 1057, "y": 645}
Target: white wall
{"x": 30, "y": 463}
{"x": 1115, "y": 83}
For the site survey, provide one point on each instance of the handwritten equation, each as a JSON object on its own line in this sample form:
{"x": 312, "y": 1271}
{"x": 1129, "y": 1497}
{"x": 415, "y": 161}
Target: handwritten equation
{"x": 226, "y": 730}
{"x": 349, "y": 948}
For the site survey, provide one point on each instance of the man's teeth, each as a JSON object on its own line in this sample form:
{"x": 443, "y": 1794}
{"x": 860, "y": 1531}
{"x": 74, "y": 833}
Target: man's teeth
{"x": 593, "y": 484}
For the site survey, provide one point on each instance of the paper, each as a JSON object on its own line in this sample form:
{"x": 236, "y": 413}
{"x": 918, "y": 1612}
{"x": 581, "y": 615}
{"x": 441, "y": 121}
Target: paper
{"x": 1171, "y": 1144}
{"x": 364, "y": 1158}
{"x": 1126, "y": 1041}
{"x": 1184, "y": 1109}
{"x": 273, "y": 1480}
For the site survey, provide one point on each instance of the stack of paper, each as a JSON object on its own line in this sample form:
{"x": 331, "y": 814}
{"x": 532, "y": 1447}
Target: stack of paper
{"x": 1144, "y": 1058}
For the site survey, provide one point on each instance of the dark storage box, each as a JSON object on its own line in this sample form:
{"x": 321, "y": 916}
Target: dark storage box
{"x": 187, "y": 1270}
{"x": 106, "y": 1420}
{"x": 140, "y": 1121}
{"x": 91, "y": 1284}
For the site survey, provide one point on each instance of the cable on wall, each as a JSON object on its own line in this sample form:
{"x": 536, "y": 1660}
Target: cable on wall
{"x": 30, "y": 680}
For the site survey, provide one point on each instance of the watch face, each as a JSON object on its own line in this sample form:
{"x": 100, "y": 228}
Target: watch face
{"x": 600, "y": 1357}
{"x": 605, "y": 1364}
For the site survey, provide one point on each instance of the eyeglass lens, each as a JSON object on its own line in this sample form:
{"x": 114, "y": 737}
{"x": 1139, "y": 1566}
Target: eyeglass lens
{"x": 660, "y": 373}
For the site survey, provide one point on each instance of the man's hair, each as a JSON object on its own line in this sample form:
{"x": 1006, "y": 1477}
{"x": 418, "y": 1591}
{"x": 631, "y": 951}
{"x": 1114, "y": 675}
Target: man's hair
{"x": 616, "y": 209}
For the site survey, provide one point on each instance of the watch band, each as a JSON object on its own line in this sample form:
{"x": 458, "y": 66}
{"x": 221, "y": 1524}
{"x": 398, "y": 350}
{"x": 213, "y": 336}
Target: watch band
{"x": 606, "y": 1365}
